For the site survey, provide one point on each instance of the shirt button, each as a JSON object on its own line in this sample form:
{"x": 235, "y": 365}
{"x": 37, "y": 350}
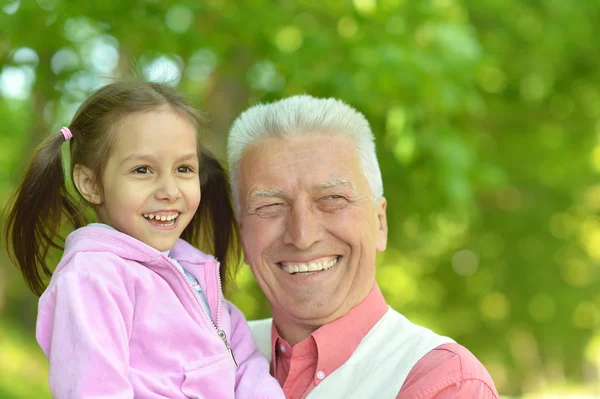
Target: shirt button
{"x": 282, "y": 348}
{"x": 320, "y": 375}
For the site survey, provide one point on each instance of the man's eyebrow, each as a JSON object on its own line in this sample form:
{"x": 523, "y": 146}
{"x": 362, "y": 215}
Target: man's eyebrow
{"x": 273, "y": 192}
{"x": 334, "y": 183}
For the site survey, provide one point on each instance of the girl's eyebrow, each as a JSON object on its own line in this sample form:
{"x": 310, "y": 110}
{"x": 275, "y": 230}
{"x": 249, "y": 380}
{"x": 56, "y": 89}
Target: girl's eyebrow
{"x": 187, "y": 157}
{"x": 151, "y": 158}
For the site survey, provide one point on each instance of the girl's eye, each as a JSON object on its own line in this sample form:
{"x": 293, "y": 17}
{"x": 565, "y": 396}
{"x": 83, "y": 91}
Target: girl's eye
{"x": 184, "y": 169}
{"x": 141, "y": 170}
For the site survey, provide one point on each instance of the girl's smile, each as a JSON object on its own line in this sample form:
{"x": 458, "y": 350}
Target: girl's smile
{"x": 162, "y": 220}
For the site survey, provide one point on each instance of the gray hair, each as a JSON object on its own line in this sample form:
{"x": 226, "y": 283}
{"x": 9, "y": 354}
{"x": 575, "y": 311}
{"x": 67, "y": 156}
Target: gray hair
{"x": 302, "y": 116}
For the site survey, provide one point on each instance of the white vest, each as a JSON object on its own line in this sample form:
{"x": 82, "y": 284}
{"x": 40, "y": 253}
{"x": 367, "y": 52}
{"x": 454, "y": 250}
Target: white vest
{"x": 380, "y": 364}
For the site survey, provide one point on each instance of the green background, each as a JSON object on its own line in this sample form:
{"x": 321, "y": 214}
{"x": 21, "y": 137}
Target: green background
{"x": 487, "y": 117}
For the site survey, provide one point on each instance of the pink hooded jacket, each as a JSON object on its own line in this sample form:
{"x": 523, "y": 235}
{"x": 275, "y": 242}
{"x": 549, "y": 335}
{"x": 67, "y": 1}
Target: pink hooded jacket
{"x": 119, "y": 320}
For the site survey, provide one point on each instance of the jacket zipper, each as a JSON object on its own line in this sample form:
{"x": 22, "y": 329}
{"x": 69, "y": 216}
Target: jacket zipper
{"x": 220, "y": 332}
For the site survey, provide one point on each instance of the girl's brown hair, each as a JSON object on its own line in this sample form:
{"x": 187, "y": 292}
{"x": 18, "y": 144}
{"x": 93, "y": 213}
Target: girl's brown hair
{"x": 42, "y": 201}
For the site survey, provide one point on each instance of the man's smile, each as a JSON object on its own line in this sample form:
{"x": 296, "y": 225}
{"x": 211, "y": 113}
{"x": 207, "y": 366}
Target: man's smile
{"x": 309, "y": 267}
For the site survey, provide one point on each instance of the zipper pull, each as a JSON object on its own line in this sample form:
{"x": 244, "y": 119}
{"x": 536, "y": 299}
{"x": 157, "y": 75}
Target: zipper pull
{"x": 224, "y": 338}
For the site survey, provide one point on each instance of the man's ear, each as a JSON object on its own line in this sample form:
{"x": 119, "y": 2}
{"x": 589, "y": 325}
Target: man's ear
{"x": 87, "y": 184}
{"x": 382, "y": 227}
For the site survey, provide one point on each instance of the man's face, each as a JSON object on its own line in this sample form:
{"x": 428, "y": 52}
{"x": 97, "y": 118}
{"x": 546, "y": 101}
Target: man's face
{"x": 309, "y": 226}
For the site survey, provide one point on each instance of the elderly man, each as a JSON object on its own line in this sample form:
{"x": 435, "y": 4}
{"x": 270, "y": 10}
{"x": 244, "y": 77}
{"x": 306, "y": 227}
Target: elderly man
{"x": 309, "y": 196}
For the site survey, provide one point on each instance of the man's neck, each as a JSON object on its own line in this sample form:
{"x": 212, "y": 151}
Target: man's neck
{"x": 294, "y": 334}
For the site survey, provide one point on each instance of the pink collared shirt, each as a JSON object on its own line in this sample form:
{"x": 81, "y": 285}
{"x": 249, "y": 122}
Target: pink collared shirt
{"x": 448, "y": 371}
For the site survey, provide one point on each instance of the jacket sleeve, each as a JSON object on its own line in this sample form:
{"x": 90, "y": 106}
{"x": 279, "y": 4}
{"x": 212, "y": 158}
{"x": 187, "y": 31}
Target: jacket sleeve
{"x": 252, "y": 378}
{"x": 83, "y": 328}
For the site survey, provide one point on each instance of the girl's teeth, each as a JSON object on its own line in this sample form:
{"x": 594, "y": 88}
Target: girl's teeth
{"x": 162, "y": 218}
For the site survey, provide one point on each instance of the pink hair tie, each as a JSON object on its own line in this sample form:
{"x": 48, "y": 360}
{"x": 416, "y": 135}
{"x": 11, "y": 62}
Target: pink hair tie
{"x": 67, "y": 133}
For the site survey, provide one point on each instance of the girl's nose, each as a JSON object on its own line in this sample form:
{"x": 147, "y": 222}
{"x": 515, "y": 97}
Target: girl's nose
{"x": 168, "y": 190}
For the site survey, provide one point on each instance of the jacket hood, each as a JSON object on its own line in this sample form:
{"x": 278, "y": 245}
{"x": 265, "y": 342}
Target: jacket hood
{"x": 97, "y": 238}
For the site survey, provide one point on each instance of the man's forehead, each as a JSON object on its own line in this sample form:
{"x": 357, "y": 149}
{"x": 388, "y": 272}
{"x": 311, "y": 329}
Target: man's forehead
{"x": 279, "y": 167}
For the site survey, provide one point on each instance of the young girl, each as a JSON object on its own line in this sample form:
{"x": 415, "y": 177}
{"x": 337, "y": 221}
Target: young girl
{"x": 132, "y": 310}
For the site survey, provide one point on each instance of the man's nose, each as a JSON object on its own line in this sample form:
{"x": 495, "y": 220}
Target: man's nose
{"x": 168, "y": 189}
{"x": 303, "y": 227}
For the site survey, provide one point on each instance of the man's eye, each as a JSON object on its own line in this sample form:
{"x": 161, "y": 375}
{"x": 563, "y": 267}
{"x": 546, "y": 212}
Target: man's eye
{"x": 141, "y": 170}
{"x": 333, "y": 202}
{"x": 269, "y": 206}
{"x": 270, "y": 210}
{"x": 335, "y": 198}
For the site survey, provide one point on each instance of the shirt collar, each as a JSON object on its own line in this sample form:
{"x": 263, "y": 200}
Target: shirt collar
{"x": 337, "y": 340}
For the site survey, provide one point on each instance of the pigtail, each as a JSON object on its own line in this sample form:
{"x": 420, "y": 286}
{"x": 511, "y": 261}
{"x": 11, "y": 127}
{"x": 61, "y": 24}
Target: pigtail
{"x": 214, "y": 222}
{"x": 35, "y": 211}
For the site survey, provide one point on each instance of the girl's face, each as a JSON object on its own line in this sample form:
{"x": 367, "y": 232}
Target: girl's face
{"x": 151, "y": 187}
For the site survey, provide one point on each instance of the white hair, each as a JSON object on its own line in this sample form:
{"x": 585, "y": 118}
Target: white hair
{"x": 302, "y": 116}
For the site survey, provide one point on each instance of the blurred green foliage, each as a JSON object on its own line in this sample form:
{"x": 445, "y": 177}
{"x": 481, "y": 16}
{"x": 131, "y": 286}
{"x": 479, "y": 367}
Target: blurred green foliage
{"x": 487, "y": 117}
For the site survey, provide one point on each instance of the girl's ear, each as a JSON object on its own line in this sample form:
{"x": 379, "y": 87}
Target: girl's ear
{"x": 86, "y": 183}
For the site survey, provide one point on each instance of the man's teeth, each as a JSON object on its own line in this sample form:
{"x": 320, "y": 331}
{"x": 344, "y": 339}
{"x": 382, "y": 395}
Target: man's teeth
{"x": 162, "y": 218}
{"x": 309, "y": 267}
